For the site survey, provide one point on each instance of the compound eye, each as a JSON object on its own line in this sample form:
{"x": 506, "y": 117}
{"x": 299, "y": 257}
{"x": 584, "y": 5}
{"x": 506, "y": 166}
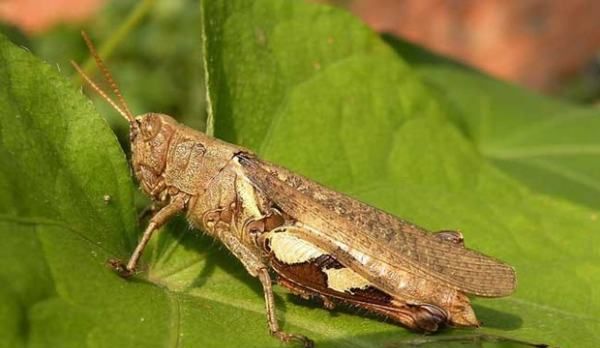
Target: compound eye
{"x": 150, "y": 126}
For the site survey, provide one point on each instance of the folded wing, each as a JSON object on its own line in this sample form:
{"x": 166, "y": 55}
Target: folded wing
{"x": 366, "y": 229}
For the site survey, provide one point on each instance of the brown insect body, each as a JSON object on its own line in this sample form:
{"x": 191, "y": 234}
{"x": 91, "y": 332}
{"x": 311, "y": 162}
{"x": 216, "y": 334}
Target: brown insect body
{"x": 172, "y": 161}
{"x": 319, "y": 242}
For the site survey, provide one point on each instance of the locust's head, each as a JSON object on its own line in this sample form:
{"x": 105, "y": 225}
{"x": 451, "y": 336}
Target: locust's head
{"x": 156, "y": 140}
{"x": 149, "y": 133}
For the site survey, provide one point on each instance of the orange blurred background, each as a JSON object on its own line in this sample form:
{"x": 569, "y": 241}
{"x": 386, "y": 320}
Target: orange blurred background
{"x": 536, "y": 43}
{"x": 540, "y": 44}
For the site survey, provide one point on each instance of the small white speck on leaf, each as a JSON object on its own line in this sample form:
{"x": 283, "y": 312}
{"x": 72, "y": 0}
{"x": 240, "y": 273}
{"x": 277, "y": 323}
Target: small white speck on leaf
{"x": 261, "y": 36}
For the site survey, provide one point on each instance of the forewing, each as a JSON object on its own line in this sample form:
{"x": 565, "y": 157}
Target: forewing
{"x": 380, "y": 235}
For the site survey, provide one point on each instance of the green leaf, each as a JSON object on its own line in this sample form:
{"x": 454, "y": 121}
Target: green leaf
{"x": 306, "y": 86}
{"x": 551, "y": 146}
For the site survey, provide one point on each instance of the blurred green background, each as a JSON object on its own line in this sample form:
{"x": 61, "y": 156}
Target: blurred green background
{"x": 138, "y": 37}
{"x": 150, "y": 48}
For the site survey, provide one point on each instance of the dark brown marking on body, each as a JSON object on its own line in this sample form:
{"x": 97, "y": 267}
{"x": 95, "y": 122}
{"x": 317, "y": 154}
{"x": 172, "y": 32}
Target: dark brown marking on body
{"x": 309, "y": 280}
{"x": 373, "y": 293}
{"x": 327, "y": 262}
{"x": 308, "y": 272}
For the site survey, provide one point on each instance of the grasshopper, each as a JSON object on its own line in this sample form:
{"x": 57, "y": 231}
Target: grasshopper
{"x": 317, "y": 242}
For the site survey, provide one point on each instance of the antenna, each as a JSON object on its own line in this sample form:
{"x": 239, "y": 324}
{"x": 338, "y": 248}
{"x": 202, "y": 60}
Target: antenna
{"x": 103, "y": 94}
{"x": 123, "y": 109}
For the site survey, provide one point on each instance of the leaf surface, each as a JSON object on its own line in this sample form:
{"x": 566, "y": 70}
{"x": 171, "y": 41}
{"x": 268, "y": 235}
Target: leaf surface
{"x": 549, "y": 145}
{"x": 308, "y": 87}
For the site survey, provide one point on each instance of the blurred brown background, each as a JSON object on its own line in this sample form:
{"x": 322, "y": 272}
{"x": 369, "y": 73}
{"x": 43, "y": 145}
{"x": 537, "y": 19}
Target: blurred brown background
{"x": 537, "y": 43}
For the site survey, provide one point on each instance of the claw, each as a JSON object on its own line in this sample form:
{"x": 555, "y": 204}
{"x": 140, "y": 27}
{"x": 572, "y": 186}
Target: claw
{"x": 287, "y": 338}
{"x": 120, "y": 267}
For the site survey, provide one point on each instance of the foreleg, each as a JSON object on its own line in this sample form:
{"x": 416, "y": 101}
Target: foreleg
{"x": 176, "y": 205}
